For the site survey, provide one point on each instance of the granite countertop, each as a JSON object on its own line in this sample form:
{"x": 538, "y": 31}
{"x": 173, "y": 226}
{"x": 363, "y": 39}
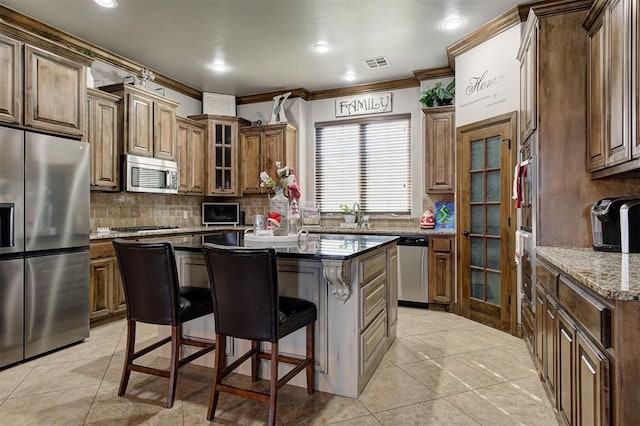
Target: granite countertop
{"x": 611, "y": 275}
{"x": 311, "y": 246}
{"x": 399, "y": 231}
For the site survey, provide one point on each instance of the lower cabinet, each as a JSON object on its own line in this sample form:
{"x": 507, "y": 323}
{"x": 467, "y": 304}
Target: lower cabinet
{"x": 569, "y": 354}
{"x": 106, "y": 294}
{"x": 440, "y": 269}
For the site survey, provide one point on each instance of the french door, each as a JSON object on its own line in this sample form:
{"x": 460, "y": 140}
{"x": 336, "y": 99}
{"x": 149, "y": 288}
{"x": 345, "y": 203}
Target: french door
{"x": 487, "y": 221}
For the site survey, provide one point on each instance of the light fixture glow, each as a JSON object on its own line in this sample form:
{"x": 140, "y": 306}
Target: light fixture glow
{"x": 107, "y": 3}
{"x": 321, "y": 47}
{"x": 452, "y": 23}
{"x": 219, "y": 67}
{"x": 350, "y": 76}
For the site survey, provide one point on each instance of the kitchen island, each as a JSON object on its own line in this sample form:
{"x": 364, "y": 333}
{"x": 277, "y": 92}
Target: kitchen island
{"x": 352, "y": 279}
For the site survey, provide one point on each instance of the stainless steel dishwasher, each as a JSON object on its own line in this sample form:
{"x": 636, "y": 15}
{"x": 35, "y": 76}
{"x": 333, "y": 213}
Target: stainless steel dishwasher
{"x": 413, "y": 276}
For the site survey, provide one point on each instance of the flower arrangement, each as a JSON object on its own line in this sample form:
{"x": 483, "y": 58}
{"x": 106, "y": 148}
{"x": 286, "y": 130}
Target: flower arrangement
{"x": 285, "y": 178}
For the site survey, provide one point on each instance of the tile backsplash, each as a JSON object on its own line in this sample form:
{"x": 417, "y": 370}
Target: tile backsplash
{"x": 133, "y": 209}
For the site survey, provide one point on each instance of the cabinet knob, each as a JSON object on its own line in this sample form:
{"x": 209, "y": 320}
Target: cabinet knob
{"x": 466, "y": 233}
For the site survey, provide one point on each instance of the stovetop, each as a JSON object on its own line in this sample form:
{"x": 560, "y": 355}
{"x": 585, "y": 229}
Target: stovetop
{"x": 141, "y": 228}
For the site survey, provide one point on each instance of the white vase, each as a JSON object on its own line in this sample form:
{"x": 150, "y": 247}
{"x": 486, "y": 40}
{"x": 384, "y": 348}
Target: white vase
{"x": 349, "y": 218}
{"x": 280, "y": 204}
{"x": 90, "y": 82}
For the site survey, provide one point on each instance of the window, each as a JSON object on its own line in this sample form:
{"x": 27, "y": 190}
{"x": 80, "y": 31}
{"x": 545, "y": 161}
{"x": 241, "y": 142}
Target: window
{"x": 364, "y": 160}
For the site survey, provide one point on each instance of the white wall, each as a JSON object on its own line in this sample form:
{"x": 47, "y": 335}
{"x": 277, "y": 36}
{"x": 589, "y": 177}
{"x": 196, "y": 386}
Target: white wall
{"x": 488, "y": 79}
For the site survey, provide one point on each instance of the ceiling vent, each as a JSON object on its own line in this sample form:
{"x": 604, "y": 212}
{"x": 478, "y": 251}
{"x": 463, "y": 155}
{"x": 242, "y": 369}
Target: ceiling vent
{"x": 377, "y": 62}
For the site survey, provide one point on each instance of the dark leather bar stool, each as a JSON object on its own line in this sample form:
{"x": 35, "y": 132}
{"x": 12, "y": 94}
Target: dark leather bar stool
{"x": 246, "y": 305}
{"x": 154, "y": 296}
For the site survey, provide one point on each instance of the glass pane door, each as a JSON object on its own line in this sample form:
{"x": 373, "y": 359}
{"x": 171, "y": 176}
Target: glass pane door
{"x": 485, "y": 220}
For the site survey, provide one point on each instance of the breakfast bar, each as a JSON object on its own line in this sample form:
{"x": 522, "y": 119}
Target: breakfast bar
{"x": 352, "y": 279}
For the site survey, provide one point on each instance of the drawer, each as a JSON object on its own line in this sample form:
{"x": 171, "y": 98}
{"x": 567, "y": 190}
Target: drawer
{"x": 547, "y": 278}
{"x": 372, "y": 267}
{"x": 100, "y": 250}
{"x": 592, "y": 314}
{"x": 440, "y": 244}
{"x": 372, "y": 342}
{"x": 527, "y": 326}
{"x": 527, "y": 285}
{"x": 372, "y": 299}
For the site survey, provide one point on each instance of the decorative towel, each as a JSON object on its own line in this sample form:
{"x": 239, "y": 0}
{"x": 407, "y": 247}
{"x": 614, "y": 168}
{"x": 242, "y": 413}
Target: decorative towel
{"x": 517, "y": 194}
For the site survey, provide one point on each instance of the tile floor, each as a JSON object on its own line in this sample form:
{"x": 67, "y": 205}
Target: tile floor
{"x": 441, "y": 370}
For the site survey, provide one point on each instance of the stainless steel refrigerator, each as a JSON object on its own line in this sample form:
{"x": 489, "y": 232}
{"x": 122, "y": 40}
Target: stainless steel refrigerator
{"x": 44, "y": 243}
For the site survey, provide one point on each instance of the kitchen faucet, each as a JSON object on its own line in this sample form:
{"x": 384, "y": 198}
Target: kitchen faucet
{"x": 358, "y": 213}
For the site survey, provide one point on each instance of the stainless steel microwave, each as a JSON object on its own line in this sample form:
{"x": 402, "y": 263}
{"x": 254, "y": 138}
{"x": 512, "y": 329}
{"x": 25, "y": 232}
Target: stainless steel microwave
{"x": 220, "y": 214}
{"x": 144, "y": 174}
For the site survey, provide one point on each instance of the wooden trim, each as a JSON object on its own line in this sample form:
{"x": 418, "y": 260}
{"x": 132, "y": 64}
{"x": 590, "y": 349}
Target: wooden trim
{"x": 428, "y": 74}
{"x": 489, "y": 30}
{"x": 76, "y": 44}
{"x": 594, "y": 14}
{"x": 362, "y": 120}
{"x": 403, "y": 83}
{"x": 512, "y": 17}
{"x": 43, "y": 43}
{"x": 268, "y": 96}
{"x": 241, "y": 121}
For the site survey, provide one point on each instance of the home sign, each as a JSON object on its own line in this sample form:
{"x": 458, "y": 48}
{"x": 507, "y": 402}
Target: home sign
{"x": 374, "y": 103}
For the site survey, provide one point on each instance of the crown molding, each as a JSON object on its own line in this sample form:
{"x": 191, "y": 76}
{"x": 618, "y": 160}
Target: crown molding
{"x": 403, "y": 83}
{"x": 72, "y": 42}
{"x": 301, "y": 93}
{"x": 431, "y": 73}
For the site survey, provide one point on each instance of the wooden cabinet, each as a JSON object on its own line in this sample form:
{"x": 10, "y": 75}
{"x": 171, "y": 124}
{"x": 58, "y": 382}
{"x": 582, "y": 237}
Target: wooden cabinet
{"x": 572, "y": 332}
{"x": 528, "y": 79}
{"x": 222, "y": 154}
{"x": 260, "y": 148}
{"x": 102, "y": 133}
{"x": 106, "y": 294}
{"x": 148, "y": 122}
{"x": 190, "y": 156}
{"x": 440, "y": 145}
{"x": 10, "y": 80}
{"x": 441, "y": 264}
{"x": 612, "y": 88}
{"x": 55, "y": 92}
{"x": 41, "y": 88}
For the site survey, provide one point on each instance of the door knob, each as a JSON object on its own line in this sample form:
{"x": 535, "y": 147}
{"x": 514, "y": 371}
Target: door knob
{"x": 466, "y": 233}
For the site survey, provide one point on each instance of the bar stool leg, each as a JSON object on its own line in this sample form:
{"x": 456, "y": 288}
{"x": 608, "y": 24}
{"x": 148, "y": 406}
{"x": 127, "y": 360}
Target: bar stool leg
{"x": 176, "y": 332}
{"x": 218, "y": 368}
{"x": 128, "y": 357}
{"x": 310, "y": 353}
{"x": 255, "y": 362}
{"x": 273, "y": 399}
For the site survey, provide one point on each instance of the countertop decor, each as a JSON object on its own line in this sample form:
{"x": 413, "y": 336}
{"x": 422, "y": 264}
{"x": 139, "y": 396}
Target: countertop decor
{"x": 611, "y": 275}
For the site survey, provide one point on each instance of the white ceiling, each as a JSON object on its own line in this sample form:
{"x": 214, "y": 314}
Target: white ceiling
{"x": 268, "y": 43}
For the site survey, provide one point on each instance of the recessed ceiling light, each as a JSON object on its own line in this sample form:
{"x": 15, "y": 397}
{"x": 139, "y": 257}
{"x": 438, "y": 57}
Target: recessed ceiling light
{"x": 107, "y": 3}
{"x": 219, "y": 67}
{"x": 321, "y": 47}
{"x": 452, "y": 23}
{"x": 350, "y": 76}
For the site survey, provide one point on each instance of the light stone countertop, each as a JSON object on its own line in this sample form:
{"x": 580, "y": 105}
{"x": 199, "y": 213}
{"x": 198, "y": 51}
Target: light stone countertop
{"x": 611, "y": 275}
{"x": 400, "y": 231}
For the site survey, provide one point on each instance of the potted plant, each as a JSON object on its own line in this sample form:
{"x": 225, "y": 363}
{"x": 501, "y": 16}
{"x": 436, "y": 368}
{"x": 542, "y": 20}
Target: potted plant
{"x": 349, "y": 215}
{"x": 438, "y": 95}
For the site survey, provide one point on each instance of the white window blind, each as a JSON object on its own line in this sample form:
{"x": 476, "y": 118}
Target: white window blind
{"x": 365, "y": 160}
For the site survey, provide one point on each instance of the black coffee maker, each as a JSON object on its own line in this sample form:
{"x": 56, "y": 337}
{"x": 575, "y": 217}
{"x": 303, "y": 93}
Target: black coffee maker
{"x": 605, "y": 224}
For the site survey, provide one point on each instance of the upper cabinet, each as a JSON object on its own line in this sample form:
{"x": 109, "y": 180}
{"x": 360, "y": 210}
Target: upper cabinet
{"x": 41, "y": 88}
{"x": 260, "y": 148}
{"x": 190, "y": 156}
{"x": 440, "y": 149}
{"x": 10, "y": 80}
{"x": 102, "y": 134}
{"x": 221, "y": 157}
{"x": 149, "y": 122}
{"x": 527, "y": 56}
{"x": 613, "y": 128}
